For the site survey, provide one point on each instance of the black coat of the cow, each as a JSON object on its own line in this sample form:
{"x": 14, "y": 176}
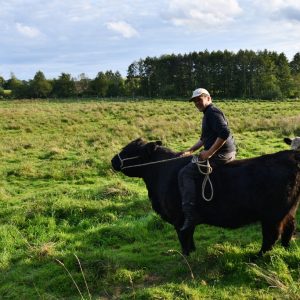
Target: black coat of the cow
{"x": 264, "y": 189}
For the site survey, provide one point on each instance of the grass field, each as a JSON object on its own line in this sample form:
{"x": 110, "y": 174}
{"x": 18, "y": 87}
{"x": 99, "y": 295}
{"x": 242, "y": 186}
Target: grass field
{"x": 62, "y": 209}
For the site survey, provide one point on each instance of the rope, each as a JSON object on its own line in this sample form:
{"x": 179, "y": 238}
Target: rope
{"x": 195, "y": 160}
{"x": 123, "y": 159}
{"x": 204, "y": 164}
{"x": 152, "y": 162}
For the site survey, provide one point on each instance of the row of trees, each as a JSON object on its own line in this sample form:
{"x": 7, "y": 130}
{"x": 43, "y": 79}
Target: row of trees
{"x": 245, "y": 74}
{"x": 108, "y": 84}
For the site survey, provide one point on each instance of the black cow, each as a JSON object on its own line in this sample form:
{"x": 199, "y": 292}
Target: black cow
{"x": 295, "y": 142}
{"x": 264, "y": 189}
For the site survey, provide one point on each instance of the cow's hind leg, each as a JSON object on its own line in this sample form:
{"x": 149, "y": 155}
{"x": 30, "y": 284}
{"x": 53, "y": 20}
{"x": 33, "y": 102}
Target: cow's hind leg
{"x": 271, "y": 232}
{"x": 288, "y": 229}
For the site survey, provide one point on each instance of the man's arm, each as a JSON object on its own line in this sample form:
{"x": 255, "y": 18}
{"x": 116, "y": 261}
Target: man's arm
{"x": 195, "y": 147}
{"x": 206, "y": 154}
{"x": 219, "y": 125}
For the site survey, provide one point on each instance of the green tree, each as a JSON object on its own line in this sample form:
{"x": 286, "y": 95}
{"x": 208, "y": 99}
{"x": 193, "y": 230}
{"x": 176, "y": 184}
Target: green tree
{"x": 82, "y": 86}
{"x": 295, "y": 71}
{"x": 266, "y": 83}
{"x": 227, "y": 76}
{"x": 19, "y": 88}
{"x": 148, "y": 75}
{"x": 115, "y": 84}
{"x": 295, "y": 64}
{"x": 1, "y": 92}
{"x": 133, "y": 80}
{"x": 283, "y": 74}
{"x": 100, "y": 85}
{"x": 245, "y": 67}
{"x": 64, "y": 86}
{"x": 2, "y": 82}
{"x": 184, "y": 78}
{"x": 40, "y": 87}
{"x": 166, "y": 70}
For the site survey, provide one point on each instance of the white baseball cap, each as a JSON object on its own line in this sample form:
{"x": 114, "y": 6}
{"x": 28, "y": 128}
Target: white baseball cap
{"x": 199, "y": 92}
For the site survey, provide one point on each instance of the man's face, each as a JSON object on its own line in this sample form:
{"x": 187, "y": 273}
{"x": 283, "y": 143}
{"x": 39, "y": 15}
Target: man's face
{"x": 202, "y": 101}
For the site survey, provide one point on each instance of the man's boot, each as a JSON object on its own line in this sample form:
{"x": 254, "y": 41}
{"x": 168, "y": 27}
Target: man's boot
{"x": 189, "y": 220}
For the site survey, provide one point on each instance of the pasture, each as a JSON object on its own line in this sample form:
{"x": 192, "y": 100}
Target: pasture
{"x": 66, "y": 217}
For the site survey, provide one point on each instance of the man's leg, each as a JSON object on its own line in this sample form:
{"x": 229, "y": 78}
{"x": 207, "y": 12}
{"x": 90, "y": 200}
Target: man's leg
{"x": 187, "y": 186}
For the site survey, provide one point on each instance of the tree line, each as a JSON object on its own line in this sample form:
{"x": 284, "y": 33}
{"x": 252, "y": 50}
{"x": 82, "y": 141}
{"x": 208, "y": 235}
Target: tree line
{"x": 245, "y": 74}
{"x": 108, "y": 84}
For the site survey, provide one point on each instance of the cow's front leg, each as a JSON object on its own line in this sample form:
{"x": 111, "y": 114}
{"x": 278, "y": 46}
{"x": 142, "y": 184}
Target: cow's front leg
{"x": 186, "y": 239}
{"x": 270, "y": 231}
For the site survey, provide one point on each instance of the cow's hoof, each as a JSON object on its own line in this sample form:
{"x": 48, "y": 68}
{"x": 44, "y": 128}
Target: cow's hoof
{"x": 255, "y": 256}
{"x": 285, "y": 245}
{"x": 186, "y": 253}
{"x": 193, "y": 249}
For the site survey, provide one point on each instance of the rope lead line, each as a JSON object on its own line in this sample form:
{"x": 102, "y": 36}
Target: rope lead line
{"x": 145, "y": 164}
{"x": 208, "y": 170}
{"x": 200, "y": 164}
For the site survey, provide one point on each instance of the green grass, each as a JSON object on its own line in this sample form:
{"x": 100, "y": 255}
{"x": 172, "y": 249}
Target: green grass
{"x": 59, "y": 197}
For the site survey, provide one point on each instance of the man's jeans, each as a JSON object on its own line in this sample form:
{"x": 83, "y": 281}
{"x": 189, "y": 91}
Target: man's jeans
{"x": 190, "y": 173}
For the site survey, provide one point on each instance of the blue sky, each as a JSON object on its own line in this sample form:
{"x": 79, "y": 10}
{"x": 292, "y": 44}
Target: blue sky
{"x": 86, "y": 36}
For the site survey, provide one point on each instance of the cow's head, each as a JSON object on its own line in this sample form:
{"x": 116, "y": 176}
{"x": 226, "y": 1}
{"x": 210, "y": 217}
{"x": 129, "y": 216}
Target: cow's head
{"x": 295, "y": 143}
{"x": 135, "y": 153}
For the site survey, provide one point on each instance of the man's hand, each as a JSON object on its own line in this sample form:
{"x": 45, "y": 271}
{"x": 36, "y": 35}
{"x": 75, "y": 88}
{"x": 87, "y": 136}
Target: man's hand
{"x": 185, "y": 153}
{"x": 204, "y": 155}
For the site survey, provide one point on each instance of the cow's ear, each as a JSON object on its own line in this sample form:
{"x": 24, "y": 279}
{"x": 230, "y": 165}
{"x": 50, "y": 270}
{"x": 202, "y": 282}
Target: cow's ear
{"x": 287, "y": 141}
{"x": 148, "y": 149}
{"x": 158, "y": 143}
{"x": 139, "y": 141}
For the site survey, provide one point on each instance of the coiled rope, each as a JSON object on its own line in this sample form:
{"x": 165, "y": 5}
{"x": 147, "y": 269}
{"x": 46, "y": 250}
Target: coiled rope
{"x": 208, "y": 170}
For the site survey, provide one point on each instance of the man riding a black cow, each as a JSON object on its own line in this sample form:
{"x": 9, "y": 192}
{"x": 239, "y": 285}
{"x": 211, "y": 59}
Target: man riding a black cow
{"x": 263, "y": 189}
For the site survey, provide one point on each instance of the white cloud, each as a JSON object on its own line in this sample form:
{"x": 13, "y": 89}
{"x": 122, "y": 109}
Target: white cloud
{"x": 27, "y": 31}
{"x": 275, "y": 5}
{"x": 206, "y": 13}
{"x": 125, "y": 29}
{"x": 83, "y": 11}
{"x": 279, "y": 10}
{"x": 277, "y": 25}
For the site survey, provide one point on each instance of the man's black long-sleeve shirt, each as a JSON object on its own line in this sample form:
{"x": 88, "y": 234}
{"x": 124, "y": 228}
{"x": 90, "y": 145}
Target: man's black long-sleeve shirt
{"x": 214, "y": 125}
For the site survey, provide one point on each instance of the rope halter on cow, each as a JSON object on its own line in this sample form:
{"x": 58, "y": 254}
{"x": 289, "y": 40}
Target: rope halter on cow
{"x": 123, "y": 159}
{"x": 208, "y": 170}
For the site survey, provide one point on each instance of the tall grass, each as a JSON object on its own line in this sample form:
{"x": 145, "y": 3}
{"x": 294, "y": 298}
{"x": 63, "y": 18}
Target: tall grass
{"x": 60, "y": 198}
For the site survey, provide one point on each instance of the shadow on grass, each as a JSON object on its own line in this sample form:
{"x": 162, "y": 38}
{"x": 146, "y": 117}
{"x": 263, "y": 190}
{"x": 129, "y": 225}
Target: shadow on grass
{"x": 117, "y": 261}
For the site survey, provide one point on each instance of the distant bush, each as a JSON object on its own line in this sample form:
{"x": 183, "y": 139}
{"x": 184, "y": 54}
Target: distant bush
{"x": 5, "y": 93}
